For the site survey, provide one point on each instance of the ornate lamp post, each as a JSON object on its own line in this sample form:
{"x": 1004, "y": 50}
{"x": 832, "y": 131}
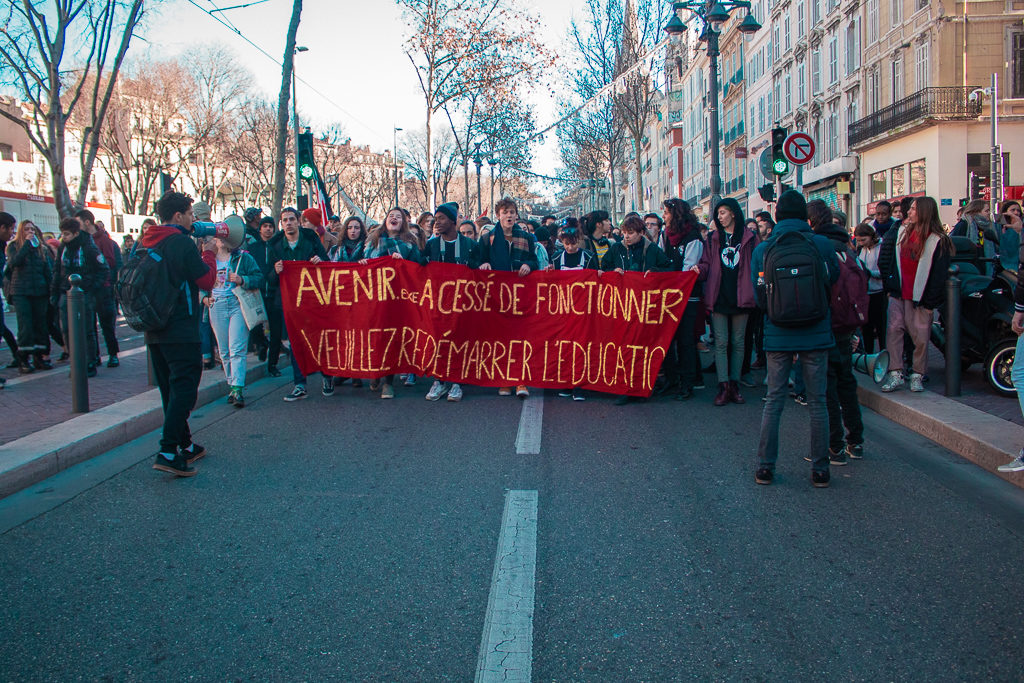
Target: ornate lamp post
{"x": 478, "y": 162}
{"x": 712, "y": 16}
{"x": 490, "y": 167}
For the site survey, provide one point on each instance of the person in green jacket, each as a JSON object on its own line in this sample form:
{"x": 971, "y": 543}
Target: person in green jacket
{"x": 235, "y": 268}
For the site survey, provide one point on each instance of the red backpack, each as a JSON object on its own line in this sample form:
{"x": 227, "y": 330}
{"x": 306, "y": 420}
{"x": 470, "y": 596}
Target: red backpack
{"x": 849, "y": 304}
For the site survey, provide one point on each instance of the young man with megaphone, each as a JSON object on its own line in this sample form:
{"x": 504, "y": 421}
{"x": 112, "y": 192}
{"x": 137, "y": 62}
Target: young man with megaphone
{"x": 175, "y": 348}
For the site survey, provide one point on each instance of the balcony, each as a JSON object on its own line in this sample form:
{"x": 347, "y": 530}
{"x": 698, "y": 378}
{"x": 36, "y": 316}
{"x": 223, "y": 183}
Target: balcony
{"x": 950, "y": 104}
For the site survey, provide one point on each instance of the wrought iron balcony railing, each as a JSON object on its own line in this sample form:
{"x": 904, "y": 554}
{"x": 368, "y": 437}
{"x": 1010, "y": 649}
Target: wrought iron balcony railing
{"x": 949, "y": 103}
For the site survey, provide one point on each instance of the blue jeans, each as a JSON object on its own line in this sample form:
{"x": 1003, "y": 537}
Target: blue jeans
{"x": 232, "y": 337}
{"x": 1017, "y": 373}
{"x": 815, "y": 375}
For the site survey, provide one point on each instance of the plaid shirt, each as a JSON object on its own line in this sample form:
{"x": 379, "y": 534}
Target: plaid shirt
{"x": 520, "y": 246}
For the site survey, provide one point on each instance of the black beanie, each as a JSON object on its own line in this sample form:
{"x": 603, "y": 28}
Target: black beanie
{"x": 450, "y": 209}
{"x": 791, "y": 204}
{"x": 541, "y": 233}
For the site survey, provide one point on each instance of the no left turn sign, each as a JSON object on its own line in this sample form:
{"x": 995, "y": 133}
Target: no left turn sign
{"x": 798, "y": 147}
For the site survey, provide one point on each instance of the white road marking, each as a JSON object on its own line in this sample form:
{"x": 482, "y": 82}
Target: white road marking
{"x": 531, "y": 423}
{"x": 506, "y": 648}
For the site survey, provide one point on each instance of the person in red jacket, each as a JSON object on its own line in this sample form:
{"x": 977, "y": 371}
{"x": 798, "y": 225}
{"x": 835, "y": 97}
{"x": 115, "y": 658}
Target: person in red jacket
{"x": 175, "y": 349}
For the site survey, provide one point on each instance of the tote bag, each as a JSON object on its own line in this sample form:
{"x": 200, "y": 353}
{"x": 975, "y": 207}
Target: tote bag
{"x": 251, "y": 303}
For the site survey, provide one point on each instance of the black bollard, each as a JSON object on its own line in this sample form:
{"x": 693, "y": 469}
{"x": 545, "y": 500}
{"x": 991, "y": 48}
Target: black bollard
{"x": 954, "y": 364}
{"x": 78, "y": 350}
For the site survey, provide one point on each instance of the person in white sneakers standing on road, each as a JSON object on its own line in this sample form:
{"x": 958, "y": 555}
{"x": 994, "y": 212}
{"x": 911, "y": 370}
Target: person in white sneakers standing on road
{"x": 914, "y": 262}
{"x": 448, "y": 246}
{"x": 1017, "y": 373}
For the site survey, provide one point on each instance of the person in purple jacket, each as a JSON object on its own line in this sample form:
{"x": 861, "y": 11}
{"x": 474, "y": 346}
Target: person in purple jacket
{"x": 724, "y": 269}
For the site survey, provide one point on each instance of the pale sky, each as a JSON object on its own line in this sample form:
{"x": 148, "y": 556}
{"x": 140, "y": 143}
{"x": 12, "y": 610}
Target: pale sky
{"x": 355, "y": 58}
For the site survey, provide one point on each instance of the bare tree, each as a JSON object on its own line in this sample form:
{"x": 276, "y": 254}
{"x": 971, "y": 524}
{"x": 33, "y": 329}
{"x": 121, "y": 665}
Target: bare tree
{"x": 280, "y": 165}
{"x": 38, "y": 38}
{"x": 441, "y": 166}
{"x": 462, "y": 47}
{"x": 252, "y": 150}
{"x": 144, "y": 132}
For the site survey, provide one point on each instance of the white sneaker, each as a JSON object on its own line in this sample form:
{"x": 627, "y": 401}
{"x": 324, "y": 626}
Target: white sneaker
{"x": 455, "y": 394}
{"x": 1015, "y": 465}
{"x": 916, "y": 381}
{"x": 437, "y": 390}
{"x": 893, "y": 381}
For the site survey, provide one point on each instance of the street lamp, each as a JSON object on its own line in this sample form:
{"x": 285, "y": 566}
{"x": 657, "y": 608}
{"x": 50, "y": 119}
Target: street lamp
{"x": 478, "y": 162}
{"x": 995, "y": 172}
{"x": 295, "y": 124}
{"x": 712, "y": 16}
{"x": 490, "y": 166}
{"x": 394, "y": 156}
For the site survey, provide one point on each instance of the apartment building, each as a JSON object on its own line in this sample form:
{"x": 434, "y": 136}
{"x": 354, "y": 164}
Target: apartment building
{"x": 921, "y": 132}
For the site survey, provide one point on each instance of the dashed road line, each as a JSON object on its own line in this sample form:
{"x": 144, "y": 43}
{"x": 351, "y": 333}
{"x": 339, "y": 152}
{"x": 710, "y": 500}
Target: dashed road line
{"x": 506, "y": 648}
{"x": 531, "y": 423}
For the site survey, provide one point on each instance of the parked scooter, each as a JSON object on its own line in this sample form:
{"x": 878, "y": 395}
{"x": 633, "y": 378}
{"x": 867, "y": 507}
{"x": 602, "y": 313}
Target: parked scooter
{"x": 986, "y": 309}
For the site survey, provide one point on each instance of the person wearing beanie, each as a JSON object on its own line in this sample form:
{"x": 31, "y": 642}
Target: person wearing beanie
{"x": 811, "y": 341}
{"x": 448, "y": 246}
{"x": 724, "y": 268}
{"x": 543, "y": 248}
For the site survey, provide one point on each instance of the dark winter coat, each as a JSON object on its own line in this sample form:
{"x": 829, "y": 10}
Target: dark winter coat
{"x": 469, "y": 251}
{"x": 307, "y": 246}
{"x": 81, "y": 257}
{"x": 646, "y": 252}
{"x": 190, "y": 272}
{"x": 28, "y": 270}
{"x": 816, "y": 337}
{"x": 711, "y": 260}
{"x": 935, "y": 263}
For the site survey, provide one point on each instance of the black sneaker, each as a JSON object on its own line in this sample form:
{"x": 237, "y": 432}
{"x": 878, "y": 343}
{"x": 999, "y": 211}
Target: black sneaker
{"x": 272, "y": 371}
{"x": 90, "y": 371}
{"x": 801, "y": 399}
{"x": 178, "y": 467}
{"x": 239, "y": 400}
{"x": 565, "y": 393}
{"x": 623, "y": 400}
{"x": 837, "y": 458}
{"x": 855, "y": 451}
{"x": 328, "y": 386}
{"x": 193, "y": 453}
{"x": 820, "y": 479}
{"x": 231, "y": 398}
{"x": 113, "y": 362}
{"x": 298, "y": 393}
{"x": 577, "y": 395}
{"x": 684, "y": 394}
{"x": 764, "y": 476}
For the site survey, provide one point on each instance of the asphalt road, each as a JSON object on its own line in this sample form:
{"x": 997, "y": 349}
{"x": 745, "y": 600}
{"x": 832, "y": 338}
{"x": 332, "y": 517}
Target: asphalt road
{"x": 349, "y": 538}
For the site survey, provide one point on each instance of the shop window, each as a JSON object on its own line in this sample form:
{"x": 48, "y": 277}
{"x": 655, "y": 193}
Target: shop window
{"x": 879, "y": 191}
{"x": 917, "y": 176}
{"x": 899, "y": 186}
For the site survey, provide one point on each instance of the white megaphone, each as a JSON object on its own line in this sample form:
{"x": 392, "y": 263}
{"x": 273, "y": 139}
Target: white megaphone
{"x": 231, "y": 230}
{"x": 875, "y": 365}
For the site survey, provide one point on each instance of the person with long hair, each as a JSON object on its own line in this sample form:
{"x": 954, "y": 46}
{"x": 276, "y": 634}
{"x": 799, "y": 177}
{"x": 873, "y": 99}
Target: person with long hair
{"x": 29, "y": 272}
{"x": 914, "y": 263}
{"x": 393, "y": 238}
{"x": 235, "y": 268}
{"x": 596, "y": 227}
{"x": 681, "y": 241}
{"x": 426, "y": 223}
{"x": 729, "y": 294}
{"x": 351, "y": 239}
{"x": 1009, "y": 226}
{"x": 868, "y": 251}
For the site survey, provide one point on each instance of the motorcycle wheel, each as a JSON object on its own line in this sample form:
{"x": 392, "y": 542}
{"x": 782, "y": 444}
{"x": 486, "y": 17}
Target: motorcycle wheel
{"x": 998, "y": 366}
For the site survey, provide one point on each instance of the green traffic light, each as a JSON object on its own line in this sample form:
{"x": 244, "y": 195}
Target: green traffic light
{"x": 780, "y": 167}
{"x": 306, "y": 171}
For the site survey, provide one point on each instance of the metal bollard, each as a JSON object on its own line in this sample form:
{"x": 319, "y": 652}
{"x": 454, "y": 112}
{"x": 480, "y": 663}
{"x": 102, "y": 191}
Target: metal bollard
{"x": 954, "y": 364}
{"x": 78, "y": 350}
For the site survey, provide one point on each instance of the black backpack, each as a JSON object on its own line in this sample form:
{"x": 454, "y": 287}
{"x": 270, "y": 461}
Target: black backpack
{"x": 796, "y": 281}
{"x": 146, "y": 291}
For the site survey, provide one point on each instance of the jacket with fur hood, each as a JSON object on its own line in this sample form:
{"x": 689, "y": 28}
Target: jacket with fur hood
{"x": 932, "y": 269}
{"x": 711, "y": 260}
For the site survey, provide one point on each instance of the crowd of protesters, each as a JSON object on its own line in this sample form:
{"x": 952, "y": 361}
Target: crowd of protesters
{"x": 900, "y": 259}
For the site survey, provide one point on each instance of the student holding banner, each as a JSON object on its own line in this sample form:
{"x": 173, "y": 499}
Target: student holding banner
{"x": 394, "y": 238}
{"x": 572, "y": 257}
{"x": 512, "y": 249}
{"x": 448, "y": 246}
{"x": 635, "y": 253}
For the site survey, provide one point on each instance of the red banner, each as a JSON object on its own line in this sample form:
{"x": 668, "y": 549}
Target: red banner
{"x": 556, "y": 329}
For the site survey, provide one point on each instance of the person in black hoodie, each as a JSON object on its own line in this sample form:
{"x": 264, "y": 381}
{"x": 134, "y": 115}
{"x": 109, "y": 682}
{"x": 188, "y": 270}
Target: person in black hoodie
{"x": 175, "y": 350}
{"x": 291, "y": 244}
{"x": 841, "y": 391}
{"x": 258, "y": 249}
{"x": 724, "y": 269}
{"x": 684, "y": 247}
{"x": 79, "y": 255}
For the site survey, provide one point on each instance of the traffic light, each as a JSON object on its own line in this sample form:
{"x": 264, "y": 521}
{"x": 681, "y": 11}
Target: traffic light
{"x": 305, "y": 157}
{"x": 767, "y": 192}
{"x": 977, "y": 185}
{"x": 780, "y": 164}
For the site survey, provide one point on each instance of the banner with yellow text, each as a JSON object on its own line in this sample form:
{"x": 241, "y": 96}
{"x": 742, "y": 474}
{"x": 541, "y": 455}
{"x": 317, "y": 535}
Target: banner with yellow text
{"x": 602, "y": 331}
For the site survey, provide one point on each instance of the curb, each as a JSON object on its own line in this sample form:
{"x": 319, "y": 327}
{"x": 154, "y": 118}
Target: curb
{"x": 985, "y": 440}
{"x": 35, "y": 457}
